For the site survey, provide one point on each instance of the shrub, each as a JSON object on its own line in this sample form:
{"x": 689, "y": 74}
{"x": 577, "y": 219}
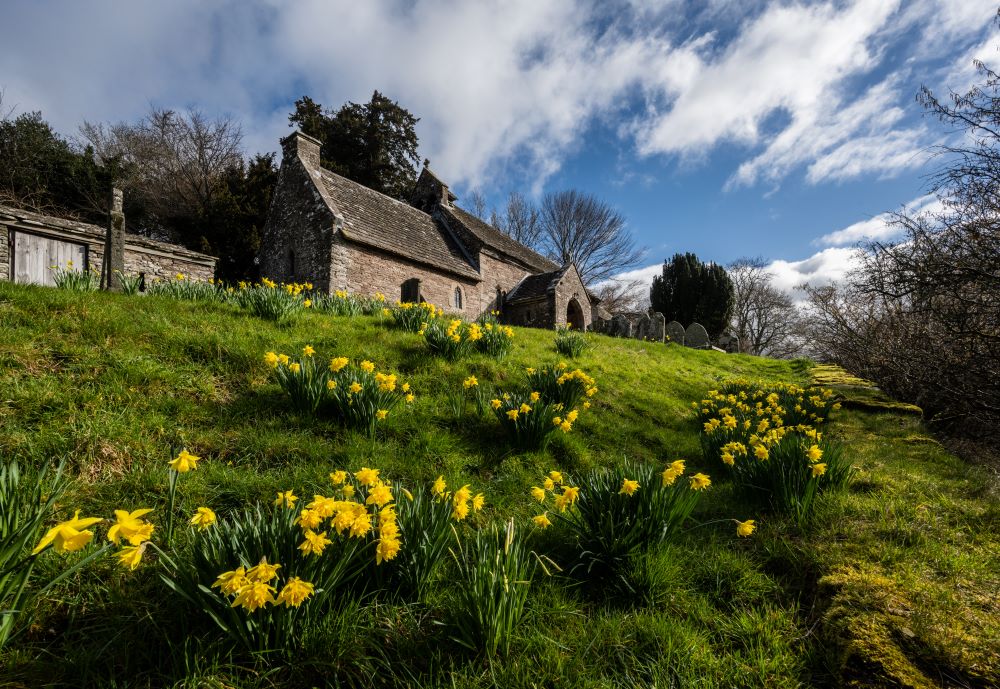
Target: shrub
{"x": 557, "y": 385}
{"x": 75, "y": 280}
{"x": 570, "y": 343}
{"x": 495, "y": 571}
{"x": 615, "y": 513}
{"x": 273, "y": 302}
{"x": 412, "y": 317}
{"x": 496, "y": 339}
{"x": 768, "y": 438}
{"x": 529, "y": 420}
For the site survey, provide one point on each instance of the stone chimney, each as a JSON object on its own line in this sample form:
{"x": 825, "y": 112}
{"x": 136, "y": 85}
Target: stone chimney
{"x": 302, "y": 146}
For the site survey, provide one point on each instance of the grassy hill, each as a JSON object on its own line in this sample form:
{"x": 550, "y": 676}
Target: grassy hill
{"x": 894, "y": 583}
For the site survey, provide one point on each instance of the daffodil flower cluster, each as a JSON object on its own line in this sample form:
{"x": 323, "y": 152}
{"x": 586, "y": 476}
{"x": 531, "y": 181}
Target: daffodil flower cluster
{"x": 252, "y": 588}
{"x": 357, "y": 393}
{"x": 495, "y": 340}
{"x": 273, "y": 301}
{"x": 613, "y": 513}
{"x": 768, "y": 437}
{"x": 462, "y": 500}
{"x": 410, "y": 316}
{"x": 529, "y": 420}
{"x": 560, "y": 385}
{"x": 343, "y": 303}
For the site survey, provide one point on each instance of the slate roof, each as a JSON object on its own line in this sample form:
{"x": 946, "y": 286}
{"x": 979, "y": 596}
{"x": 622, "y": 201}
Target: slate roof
{"x": 382, "y": 222}
{"x": 494, "y": 238}
{"x": 535, "y": 286}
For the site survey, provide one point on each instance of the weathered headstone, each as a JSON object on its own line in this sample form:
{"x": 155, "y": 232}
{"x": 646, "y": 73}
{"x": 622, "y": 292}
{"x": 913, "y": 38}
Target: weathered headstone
{"x": 114, "y": 243}
{"x": 729, "y": 343}
{"x": 621, "y": 326}
{"x": 657, "y": 326}
{"x": 600, "y": 325}
{"x": 697, "y": 337}
{"x": 675, "y": 331}
{"x": 640, "y": 329}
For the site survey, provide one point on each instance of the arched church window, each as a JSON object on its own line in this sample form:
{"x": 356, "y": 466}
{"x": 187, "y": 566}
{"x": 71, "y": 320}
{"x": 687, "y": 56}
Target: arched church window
{"x": 458, "y": 297}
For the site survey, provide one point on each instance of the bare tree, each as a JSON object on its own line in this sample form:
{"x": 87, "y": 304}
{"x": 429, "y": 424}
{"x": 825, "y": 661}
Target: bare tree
{"x": 580, "y": 228}
{"x": 619, "y": 296}
{"x": 763, "y": 316}
{"x": 477, "y": 203}
{"x": 520, "y": 220}
{"x": 172, "y": 162}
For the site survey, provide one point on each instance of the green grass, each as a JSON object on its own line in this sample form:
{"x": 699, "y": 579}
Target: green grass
{"x": 894, "y": 583}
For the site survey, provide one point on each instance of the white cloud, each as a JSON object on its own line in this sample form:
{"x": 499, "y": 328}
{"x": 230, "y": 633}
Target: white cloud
{"x": 822, "y": 268}
{"x": 880, "y": 227}
{"x": 510, "y": 86}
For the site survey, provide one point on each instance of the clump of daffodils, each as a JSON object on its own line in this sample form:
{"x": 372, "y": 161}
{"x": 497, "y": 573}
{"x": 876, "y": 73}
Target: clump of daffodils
{"x": 495, "y": 339}
{"x": 560, "y": 385}
{"x": 615, "y": 513}
{"x": 272, "y": 301}
{"x": 357, "y": 393}
{"x": 769, "y": 438}
{"x": 410, "y": 316}
{"x": 252, "y": 589}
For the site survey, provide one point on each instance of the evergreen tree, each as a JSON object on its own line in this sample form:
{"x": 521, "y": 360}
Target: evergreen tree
{"x": 689, "y": 291}
{"x": 373, "y": 143}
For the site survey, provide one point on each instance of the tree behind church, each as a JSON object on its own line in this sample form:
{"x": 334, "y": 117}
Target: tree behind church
{"x": 689, "y": 291}
{"x": 373, "y": 143}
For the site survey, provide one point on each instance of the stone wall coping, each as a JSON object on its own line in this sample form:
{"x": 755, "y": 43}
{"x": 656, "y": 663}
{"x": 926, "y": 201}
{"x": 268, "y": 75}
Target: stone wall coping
{"x": 49, "y": 224}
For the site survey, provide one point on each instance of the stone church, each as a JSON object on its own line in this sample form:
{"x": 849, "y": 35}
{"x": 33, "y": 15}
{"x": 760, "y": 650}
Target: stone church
{"x": 325, "y": 229}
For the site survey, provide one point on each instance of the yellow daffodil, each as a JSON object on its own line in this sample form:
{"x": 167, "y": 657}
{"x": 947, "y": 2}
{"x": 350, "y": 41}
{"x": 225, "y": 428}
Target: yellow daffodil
{"x": 745, "y": 528}
{"x": 379, "y": 495}
{"x": 367, "y": 477}
{"x": 761, "y": 452}
{"x": 478, "y": 501}
{"x": 534, "y": 396}
{"x": 263, "y": 571}
{"x": 231, "y": 582}
{"x": 184, "y": 462}
{"x": 338, "y": 363}
{"x": 549, "y": 484}
{"x": 524, "y": 409}
{"x": 818, "y": 469}
{"x": 367, "y": 366}
{"x": 254, "y": 595}
{"x": 495, "y": 403}
{"x": 814, "y": 453}
{"x": 130, "y": 526}
{"x": 68, "y": 536}
{"x": 728, "y": 458}
{"x": 355, "y": 388}
{"x": 271, "y": 359}
{"x": 348, "y": 490}
{"x": 286, "y": 499}
{"x": 308, "y": 350}
{"x": 470, "y": 382}
{"x": 338, "y": 477}
{"x": 131, "y": 556}
{"x": 512, "y": 414}
{"x": 314, "y": 543}
{"x": 628, "y": 487}
{"x": 700, "y": 482}
{"x": 295, "y": 368}
{"x": 542, "y": 521}
{"x": 203, "y": 518}
{"x": 538, "y": 493}
{"x": 460, "y": 511}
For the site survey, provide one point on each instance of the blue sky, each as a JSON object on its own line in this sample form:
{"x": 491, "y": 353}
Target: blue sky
{"x": 724, "y": 127}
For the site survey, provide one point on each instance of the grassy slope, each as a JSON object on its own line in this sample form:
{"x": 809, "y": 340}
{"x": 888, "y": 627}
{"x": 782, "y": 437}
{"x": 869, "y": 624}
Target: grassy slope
{"x": 902, "y": 564}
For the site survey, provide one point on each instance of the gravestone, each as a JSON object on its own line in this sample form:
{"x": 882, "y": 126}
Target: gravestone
{"x": 621, "y": 326}
{"x": 600, "y": 325}
{"x": 729, "y": 343}
{"x": 641, "y": 328}
{"x": 697, "y": 337}
{"x": 675, "y": 331}
{"x": 657, "y": 326}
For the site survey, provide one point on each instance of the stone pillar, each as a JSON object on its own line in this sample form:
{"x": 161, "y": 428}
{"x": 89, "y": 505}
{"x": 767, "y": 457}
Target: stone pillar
{"x": 114, "y": 243}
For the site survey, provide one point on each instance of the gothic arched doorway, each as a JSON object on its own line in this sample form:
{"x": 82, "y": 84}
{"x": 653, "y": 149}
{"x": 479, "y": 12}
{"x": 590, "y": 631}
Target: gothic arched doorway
{"x": 574, "y": 315}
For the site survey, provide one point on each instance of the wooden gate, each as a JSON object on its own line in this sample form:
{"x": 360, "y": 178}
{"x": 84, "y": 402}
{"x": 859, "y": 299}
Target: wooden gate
{"x": 35, "y": 255}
